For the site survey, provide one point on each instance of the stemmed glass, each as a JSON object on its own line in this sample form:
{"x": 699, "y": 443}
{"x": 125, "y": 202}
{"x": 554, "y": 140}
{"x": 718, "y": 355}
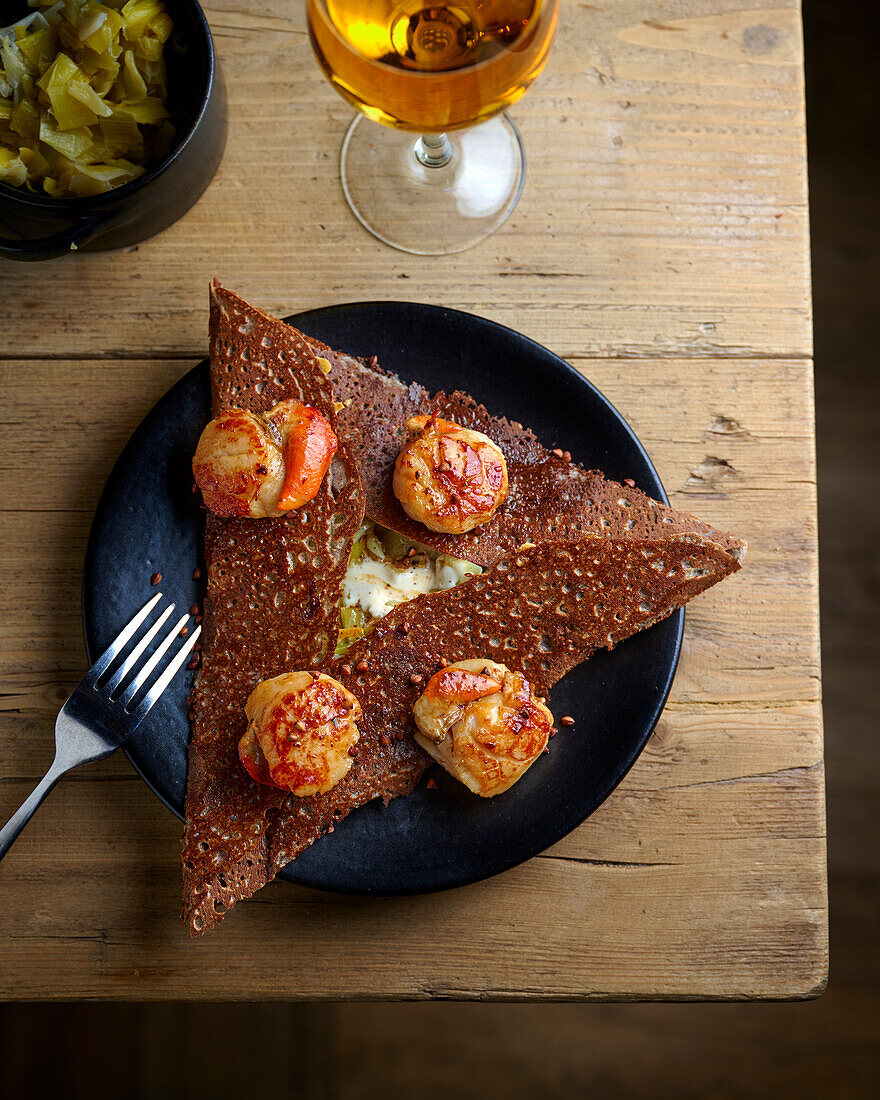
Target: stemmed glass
{"x": 447, "y": 166}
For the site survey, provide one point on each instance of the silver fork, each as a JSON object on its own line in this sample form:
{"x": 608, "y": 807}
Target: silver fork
{"x": 99, "y": 716}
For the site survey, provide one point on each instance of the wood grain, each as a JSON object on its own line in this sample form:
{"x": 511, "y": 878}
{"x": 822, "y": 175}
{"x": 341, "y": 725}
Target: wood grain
{"x": 665, "y": 209}
{"x": 703, "y": 875}
{"x": 661, "y": 246}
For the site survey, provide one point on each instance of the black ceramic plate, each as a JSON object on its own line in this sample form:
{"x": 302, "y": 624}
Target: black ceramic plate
{"x": 148, "y": 521}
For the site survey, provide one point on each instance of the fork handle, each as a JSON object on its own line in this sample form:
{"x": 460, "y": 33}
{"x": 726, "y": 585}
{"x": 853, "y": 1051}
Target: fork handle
{"x": 10, "y": 831}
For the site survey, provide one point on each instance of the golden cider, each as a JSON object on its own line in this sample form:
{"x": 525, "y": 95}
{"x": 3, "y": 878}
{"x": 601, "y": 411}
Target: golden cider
{"x": 431, "y": 68}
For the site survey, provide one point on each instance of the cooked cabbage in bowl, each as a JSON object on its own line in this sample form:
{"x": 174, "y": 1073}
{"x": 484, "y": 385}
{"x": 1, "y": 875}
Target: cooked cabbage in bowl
{"x": 83, "y": 95}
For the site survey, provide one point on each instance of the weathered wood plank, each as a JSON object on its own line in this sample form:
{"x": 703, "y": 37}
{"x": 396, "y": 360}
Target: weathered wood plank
{"x": 673, "y": 926}
{"x": 691, "y": 746}
{"x": 661, "y": 246}
{"x": 720, "y": 433}
{"x": 755, "y": 637}
{"x": 665, "y": 208}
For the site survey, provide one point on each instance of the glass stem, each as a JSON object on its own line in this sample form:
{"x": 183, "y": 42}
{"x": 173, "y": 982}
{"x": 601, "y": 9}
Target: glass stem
{"x": 434, "y": 150}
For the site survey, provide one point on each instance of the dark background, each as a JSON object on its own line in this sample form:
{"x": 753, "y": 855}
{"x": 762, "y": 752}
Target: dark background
{"x": 825, "y": 1048}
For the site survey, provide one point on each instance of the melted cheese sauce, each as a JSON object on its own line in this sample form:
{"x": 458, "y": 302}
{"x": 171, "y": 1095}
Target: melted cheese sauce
{"x": 379, "y": 586}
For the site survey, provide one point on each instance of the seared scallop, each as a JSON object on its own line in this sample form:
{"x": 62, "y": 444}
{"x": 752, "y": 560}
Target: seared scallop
{"x": 481, "y": 722}
{"x": 302, "y": 730}
{"x": 239, "y": 466}
{"x": 449, "y": 478}
{"x": 263, "y": 465}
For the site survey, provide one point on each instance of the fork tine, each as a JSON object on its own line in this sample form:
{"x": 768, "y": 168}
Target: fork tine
{"x": 135, "y": 654}
{"x": 103, "y": 662}
{"x": 141, "y": 678}
{"x": 167, "y": 676}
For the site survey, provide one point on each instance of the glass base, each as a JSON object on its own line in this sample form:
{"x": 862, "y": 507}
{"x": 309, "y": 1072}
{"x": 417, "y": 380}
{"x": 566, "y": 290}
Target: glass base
{"x": 435, "y": 194}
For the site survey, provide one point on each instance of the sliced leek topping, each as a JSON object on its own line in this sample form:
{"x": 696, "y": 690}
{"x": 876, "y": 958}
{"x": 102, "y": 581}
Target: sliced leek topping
{"x": 83, "y": 91}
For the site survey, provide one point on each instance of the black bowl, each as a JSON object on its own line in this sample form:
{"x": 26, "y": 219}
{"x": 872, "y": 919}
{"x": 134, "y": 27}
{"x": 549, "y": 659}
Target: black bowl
{"x": 38, "y": 227}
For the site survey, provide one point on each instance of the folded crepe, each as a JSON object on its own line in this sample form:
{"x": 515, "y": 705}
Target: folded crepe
{"x": 274, "y": 588}
{"x": 549, "y": 496}
{"x": 542, "y": 610}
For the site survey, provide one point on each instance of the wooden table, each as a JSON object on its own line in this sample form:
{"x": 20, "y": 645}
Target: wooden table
{"x": 661, "y": 246}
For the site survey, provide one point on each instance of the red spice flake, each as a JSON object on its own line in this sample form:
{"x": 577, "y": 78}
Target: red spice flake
{"x": 553, "y": 732}
{"x": 362, "y": 666}
{"x": 184, "y": 630}
{"x": 444, "y": 663}
{"x": 193, "y": 662}
{"x": 194, "y": 610}
{"x": 566, "y": 456}
{"x": 416, "y": 678}
{"x": 198, "y": 619}
{"x": 197, "y": 574}
{"x": 192, "y": 716}
{"x": 546, "y": 750}
{"x": 384, "y": 740}
{"x": 347, "y": 670}
{"x": 558, "y": 452}
{"x": 431, "y": 784}
{"x": 156, "y": 578}
{"x": 629, "y": 481}
{"x": 332, "y": 827}
{"x": 566, "y": 720}
{"x": 403, "y": 628}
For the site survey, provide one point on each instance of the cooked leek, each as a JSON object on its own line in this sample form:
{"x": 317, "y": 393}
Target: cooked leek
{"x": 88, "y": 97}
{"x": 83, "y": 90}
{"x": 146, "y": 111}
{"x": 25, "y": 121}
{"x": 12, "y": 168}
{"x": 72, "y": 143}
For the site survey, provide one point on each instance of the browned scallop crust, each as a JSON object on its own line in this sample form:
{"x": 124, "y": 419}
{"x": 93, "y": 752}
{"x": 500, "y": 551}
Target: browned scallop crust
{"x": 271, "y": 606}
{"x": 549, "y": 498}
